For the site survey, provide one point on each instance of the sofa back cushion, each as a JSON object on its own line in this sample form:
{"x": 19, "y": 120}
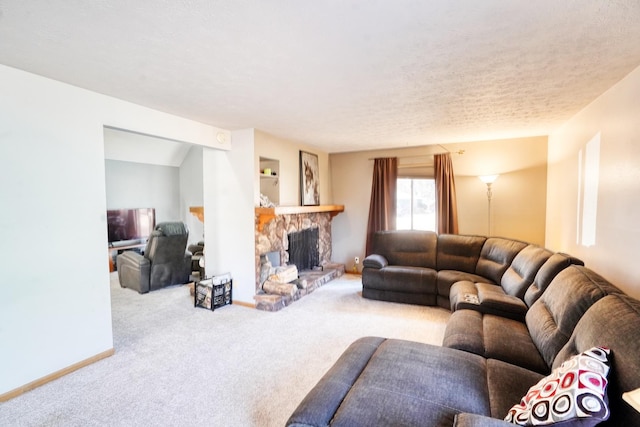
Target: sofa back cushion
{"x": 459, "y": 252}
{"x": 523, "y": 269}
{"x": 553, "y": 317}
{"x": 408, "y": 248}
{"x": 612, "y": 322}
{"x": 550, "y": 269}
{"x": 496, "y": 256}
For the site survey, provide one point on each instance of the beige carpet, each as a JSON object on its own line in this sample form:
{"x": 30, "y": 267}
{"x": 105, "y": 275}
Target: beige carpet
{"x": 177, "y": 365}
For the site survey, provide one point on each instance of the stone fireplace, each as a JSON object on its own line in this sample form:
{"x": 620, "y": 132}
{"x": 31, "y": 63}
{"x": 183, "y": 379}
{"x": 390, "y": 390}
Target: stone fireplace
{"x": 274, "y": 226}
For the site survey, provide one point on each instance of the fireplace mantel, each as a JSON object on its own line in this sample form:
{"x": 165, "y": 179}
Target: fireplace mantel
{"x": 267, "y": 214}
{"x": 198, "y": 212}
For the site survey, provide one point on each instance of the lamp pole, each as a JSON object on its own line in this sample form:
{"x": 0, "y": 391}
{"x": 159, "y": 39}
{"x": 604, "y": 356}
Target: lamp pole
{"x": 489, "y": 194}
{"x": 489, "y": 180}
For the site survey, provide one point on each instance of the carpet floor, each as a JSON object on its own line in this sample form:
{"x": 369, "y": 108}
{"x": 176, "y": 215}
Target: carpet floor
{"x": 176, "y": 365}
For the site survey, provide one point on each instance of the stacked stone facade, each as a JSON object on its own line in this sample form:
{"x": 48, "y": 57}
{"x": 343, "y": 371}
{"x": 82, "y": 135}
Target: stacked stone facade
{"x": 274, "y": 236}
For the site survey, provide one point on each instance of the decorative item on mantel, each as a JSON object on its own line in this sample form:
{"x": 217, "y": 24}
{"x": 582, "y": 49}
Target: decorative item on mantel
{"x": 309, "y": 179}
{"x": 265, "y": 202}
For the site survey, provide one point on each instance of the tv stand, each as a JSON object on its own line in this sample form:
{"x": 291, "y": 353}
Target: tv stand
{"x": 119, "y": 249}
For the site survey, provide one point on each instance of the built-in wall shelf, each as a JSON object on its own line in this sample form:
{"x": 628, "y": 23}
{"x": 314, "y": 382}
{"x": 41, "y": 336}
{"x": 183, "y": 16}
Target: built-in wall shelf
{"x": 267, "y": 214}
{"x": 269, "y": 179}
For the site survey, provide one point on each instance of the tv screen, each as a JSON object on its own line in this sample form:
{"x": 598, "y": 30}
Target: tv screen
{"x": 130, "y": 224}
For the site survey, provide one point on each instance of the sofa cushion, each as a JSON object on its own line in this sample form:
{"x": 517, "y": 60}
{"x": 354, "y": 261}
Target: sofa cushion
{"x": 409, "y": 285}
{"x": 495, "y": 301}
{"x": 553, "y": 317}
{"x": 523, "y": 269}
{"x": 459, "y": 252}
{"x": 320, "y": 405}
{"x": 446, "y": 279}
{"x": 507, "y": 384}
{"x": 573, "y": 394}
{"x": 613, "y": 322}
{"x": 407, "y": 247}
{"x": 550, "y": 269}
{"x": 486, "y": 298}
{"x": 403, "y": 279}
{"x": 402, "y": 383}
{"x": 464, "y": 331}
{"x": 496, "y": 256}
{"x": 493, "y": 337}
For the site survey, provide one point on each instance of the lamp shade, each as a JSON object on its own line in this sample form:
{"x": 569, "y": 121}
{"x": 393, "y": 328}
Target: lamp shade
{"x": 488, "y": 179}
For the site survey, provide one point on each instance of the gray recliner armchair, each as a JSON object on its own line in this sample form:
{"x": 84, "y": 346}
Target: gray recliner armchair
{"x": 165, "y": 261}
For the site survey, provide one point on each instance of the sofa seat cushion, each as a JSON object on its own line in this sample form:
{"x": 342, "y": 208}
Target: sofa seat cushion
{"x": 415, "y": 280}
{"x": 409, "y": 285}
{"x": 402, "y": 383}
{"x": 507, "y": 384}
{"x": 486, "y": 298}
{"x": 493, "y": 337}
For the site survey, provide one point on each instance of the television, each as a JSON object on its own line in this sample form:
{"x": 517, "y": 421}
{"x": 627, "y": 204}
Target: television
{"x": 130, "y": 225}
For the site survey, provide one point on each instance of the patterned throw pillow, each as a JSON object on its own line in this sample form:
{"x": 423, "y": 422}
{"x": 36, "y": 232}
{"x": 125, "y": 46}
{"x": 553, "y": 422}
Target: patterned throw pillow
{"x": 573, "y": 394}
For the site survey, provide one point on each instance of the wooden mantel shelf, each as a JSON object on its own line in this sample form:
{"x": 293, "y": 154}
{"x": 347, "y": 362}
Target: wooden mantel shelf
{"x": 267, "y": 214}
{"x": 198, "y": 212}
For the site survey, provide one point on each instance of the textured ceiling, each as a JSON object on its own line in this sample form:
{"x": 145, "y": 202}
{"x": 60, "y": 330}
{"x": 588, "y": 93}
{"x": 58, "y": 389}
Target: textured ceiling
{"x": 341, "y": 75}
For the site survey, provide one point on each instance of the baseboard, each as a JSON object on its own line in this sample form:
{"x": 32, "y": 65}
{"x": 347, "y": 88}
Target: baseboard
{"x": 55, "y": 375}
{"x": 244, "y": 304}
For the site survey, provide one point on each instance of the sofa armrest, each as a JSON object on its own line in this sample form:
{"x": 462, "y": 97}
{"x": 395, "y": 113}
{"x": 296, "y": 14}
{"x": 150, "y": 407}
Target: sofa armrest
{"x": 134, "y": 271}
{"x": 474, "y": 420}
{"x": 375, "y": 261}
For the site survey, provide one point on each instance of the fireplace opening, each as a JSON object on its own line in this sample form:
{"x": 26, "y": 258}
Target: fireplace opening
{"x": 303, "y": 249}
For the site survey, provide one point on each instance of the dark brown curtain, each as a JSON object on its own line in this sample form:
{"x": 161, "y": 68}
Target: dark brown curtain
{"x": 382, "y": 210}
{"x": 446, "y": 205}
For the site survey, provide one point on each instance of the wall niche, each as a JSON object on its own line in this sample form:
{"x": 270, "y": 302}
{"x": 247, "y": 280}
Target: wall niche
{"x": 270, "y": 179}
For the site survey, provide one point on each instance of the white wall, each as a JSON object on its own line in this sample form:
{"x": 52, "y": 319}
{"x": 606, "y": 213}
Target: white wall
{"x": 615, "y": 116}
{"x": 288, "y": 153}
{"x": 55, "y": 307}
{"x": 229, "y": 217}
{"x": 137, "y": 185}
{"x": 191, "y": 192}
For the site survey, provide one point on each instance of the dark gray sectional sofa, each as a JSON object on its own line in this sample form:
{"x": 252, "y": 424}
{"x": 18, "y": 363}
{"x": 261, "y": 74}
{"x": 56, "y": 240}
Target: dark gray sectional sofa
{"x": 457, "y": 271}
{"x": 519, "y": 312}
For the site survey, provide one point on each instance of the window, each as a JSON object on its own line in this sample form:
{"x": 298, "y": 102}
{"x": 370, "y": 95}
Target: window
{"x": 416, "y": 204}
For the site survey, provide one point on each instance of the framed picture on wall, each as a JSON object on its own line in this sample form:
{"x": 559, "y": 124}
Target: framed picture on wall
{"x": 309, "y": 179}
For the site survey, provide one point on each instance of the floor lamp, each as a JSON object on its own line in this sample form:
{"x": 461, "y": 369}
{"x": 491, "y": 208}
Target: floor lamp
{"x": 488, "y": 179}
